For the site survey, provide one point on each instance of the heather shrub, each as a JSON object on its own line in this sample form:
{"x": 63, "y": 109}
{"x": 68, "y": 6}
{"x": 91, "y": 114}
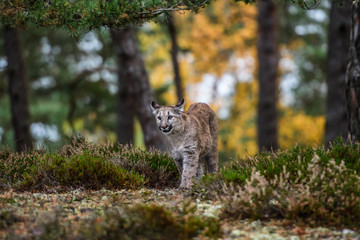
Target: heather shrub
{"x": 272, "y": 164}
{"x": 13, "y": 166}
{"x": 83, "y": 170}
{"x": 81, "y": 164}
{"x": 158, "y": 168}
{"x": 326, "y": 193}
{"x": 269, "y": 165}
{"x": 313, "y": 185}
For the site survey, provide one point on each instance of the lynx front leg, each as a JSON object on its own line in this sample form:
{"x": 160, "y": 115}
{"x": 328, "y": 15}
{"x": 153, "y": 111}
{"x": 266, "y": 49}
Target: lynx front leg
{"x": 211, "y": 163}
{"x": 199, "y": 171}
{"x": 190, "y": 166}
{"x": 179, "y": 164}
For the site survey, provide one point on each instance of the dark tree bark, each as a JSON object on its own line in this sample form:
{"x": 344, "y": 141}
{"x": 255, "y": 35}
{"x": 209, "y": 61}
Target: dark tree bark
{"x": 174, "y": 59}
{"x": 138, "y": 89}
{"x": 17, "y": 83}
{"x": 338, "y": 45}
{"x": 125, "y": 122}
{"x": 125, "y": 110}
{"x": 352, "y": 79}
{"x": 267, "y": 45}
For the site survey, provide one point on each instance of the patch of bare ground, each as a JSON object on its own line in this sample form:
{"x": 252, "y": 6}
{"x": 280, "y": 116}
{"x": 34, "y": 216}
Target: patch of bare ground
{"x": 29, "y": 215}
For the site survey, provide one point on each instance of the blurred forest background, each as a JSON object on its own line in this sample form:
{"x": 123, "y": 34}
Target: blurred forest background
{"x": 268, "y": 70}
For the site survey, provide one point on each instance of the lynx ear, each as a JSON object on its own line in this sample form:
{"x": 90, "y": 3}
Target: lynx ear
{"x": 154, "y": 106}
{"x": 180, "y": 105}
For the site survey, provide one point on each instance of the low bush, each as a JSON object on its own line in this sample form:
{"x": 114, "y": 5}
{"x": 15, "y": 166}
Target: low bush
{"x": 158, "y": 168}
{"x": 328, "y": 194}
{"x": 303, "y": 184}
{"x": 83, "y": 170}
{"x": 81, "y": 164}
{"x": 272, "y": 164}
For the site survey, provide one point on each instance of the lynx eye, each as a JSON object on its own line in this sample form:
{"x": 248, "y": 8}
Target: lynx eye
{"x": 170, "y": 117}
{"x": 159, "y": 117}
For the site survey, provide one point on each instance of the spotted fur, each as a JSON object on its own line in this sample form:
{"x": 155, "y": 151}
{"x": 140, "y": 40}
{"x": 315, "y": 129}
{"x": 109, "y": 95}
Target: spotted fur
{"x": 193, "y": 137}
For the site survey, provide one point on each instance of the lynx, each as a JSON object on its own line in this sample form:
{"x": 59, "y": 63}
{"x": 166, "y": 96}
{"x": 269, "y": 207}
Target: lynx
{"x": 193, "y": 137}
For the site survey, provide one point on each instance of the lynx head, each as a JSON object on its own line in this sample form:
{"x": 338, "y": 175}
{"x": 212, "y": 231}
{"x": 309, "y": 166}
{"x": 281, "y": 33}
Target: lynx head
{"x": 168, "y": 118}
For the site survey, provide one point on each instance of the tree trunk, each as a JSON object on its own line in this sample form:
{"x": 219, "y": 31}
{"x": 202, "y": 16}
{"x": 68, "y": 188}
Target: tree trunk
{"x": 125, "y": 115}
{"x": 267, "y": 45}
{"x": 17, "y": 83}
{"x": 125, "y": 110}
{"x": 139, "y": 92}
{"x": 338, "y": 45}
{"x": 352, "y": 79}
{"x": 174, "y": 54}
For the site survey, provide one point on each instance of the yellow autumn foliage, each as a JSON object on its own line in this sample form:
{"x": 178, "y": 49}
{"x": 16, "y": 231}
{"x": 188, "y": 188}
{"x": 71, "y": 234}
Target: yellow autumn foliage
{"x": 224, "y": 30}
{"x": 299, "y": 128}
{"x": 238, "y": 132}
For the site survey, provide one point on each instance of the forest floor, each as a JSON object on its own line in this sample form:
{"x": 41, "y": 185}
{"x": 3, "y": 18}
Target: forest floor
{"x": 23, "y": 215}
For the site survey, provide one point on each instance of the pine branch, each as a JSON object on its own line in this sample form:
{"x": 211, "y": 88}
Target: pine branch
{"x": 87, "y": 15}
{"x": 178, "y": 9}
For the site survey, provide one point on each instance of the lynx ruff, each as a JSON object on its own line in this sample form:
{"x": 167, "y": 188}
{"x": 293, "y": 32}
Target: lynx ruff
{"x": 193, "y": 137}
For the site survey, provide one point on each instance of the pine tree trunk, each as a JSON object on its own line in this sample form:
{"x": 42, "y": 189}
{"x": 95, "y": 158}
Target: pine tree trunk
{"x": 352, "y": 79}
{"x": 17, "y": 84}
{"x": 267, "y": 45}
{"x": 338, "y": 46}
{"x": 125, "y": 109}
{"x": 139, "y": 92}
{"x": 174, "y": 59}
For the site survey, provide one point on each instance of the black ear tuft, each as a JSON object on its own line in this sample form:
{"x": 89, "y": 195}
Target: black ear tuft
{"x": 180, "y": 105}
{"x": 154, "y": 106}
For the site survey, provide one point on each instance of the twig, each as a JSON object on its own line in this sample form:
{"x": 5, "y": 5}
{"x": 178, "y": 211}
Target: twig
{"x": 162, "y": 10}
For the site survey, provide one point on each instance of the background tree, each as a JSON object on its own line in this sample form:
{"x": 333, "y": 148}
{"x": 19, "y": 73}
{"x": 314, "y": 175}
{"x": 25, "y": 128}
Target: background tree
{"x": 352, "y": 79}
{"x": 268, "y": 57}
{"x": 18, "y": 92}
{"x": 125, "y": 109}
{"x": 338, "y": 45}
{"x": 174, "y": 57}
{"x": 136, "y": 81}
